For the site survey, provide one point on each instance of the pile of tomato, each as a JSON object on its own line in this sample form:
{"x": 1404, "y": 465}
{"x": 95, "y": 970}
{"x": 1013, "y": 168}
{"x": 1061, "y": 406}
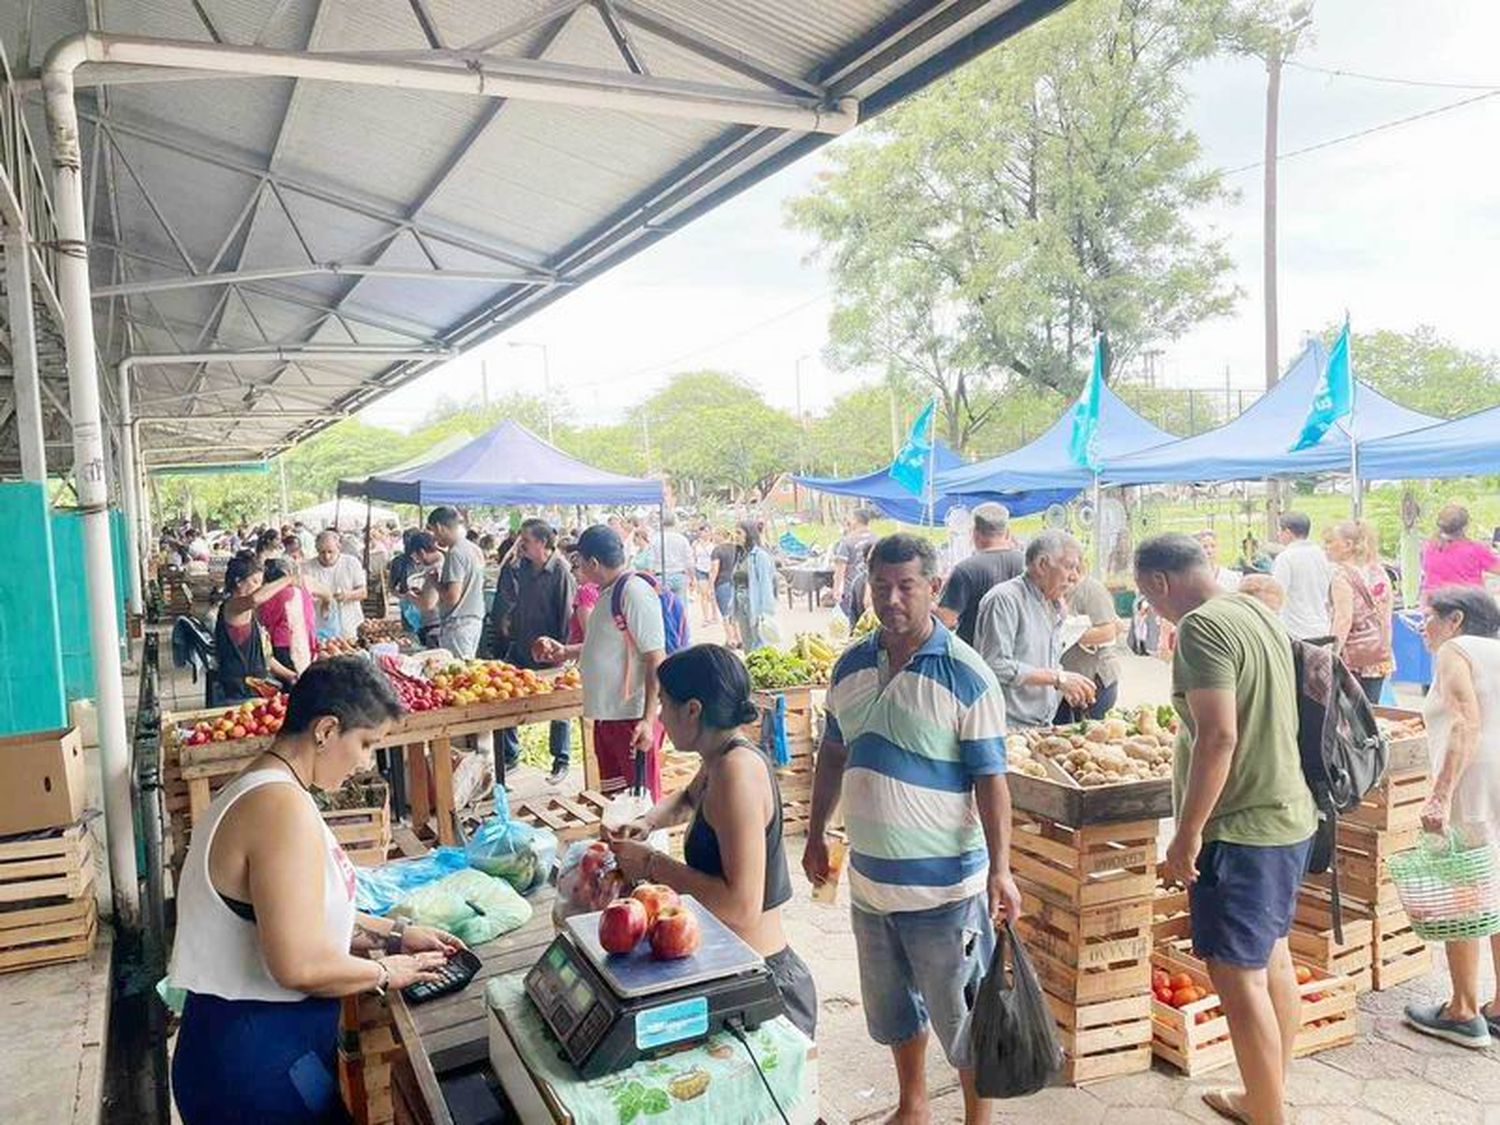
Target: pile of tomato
{"x": 1178, "y": 990}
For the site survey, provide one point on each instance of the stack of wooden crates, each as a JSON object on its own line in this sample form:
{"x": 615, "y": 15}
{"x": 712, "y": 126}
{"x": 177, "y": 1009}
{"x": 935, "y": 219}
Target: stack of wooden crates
{"x": 1087, "y": 899}
{"x": 1379, "y": 949}
{"x": 48, "y": 912}
{"x": 795, "y": 779}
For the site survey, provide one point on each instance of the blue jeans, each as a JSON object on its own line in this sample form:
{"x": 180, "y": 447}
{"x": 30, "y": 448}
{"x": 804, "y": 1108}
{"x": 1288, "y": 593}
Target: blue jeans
{"x": 923, "y": 967}
{"x": 559, "y": 740}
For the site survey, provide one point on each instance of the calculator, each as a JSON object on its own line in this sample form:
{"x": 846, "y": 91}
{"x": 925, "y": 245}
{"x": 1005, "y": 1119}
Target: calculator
{"x": 457, "y": 973}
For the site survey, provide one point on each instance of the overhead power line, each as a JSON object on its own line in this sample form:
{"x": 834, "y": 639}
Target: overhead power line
{"x": 1425, "y": 83}
{"x": 1380, "y": 128}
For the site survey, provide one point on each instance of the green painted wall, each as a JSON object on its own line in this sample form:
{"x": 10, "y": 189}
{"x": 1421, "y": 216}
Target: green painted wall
{"x": 32, "y": 692}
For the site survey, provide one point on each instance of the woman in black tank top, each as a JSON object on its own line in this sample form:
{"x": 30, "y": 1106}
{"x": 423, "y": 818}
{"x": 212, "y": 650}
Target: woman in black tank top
{"x": 735, "y": 859}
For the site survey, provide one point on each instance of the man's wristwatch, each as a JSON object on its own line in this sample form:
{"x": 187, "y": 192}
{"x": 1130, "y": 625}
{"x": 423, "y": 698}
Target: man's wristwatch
{"x": 1057, "y": 678}
{"x": 393, "y": 938}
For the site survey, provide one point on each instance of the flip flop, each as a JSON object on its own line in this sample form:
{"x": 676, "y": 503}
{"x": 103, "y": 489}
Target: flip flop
{"x": 1218, "y": 1101}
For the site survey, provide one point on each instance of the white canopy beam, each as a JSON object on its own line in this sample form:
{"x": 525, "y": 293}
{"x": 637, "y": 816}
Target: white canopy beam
{"x": 277, "y": 273}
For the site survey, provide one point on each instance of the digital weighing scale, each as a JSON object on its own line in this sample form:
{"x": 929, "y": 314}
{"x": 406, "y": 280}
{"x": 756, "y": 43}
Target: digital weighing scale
{"x": 609, "y": 1010}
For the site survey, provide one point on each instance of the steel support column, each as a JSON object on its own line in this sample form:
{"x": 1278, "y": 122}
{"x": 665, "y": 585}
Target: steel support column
{"x": 23, "y": 355}
{"x": 89, "y": 477}
{"x": 129, "y": 491}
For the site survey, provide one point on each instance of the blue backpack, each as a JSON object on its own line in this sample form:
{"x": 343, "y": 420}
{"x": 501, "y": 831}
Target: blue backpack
{"x": 673, "y": 616}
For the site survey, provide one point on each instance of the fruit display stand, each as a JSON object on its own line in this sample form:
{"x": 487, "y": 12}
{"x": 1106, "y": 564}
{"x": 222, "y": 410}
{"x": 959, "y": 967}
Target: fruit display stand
{"x": 1087, "y": 913}
{"x": 48, "y": 913}
{"x": 425, "y": 738}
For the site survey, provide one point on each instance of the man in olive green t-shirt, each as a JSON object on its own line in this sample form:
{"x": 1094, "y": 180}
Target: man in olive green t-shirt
{"x": 1245, "y": 817}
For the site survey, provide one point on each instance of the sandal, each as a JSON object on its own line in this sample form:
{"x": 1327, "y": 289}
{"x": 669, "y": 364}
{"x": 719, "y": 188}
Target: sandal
{"x": 1220, "y": 1102}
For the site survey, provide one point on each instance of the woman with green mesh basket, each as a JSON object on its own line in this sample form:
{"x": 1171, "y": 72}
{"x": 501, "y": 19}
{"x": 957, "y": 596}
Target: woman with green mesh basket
{"x": 1451, "y": 886}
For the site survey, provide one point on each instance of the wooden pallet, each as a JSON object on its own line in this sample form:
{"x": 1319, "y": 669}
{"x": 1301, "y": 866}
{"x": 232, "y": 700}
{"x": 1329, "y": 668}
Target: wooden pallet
{"x": 569, "y": 818}
{"x": 1399, "y": 955}
{"x": 1177, "y": 1035}
{"x": 1395, "y": 804}
{"x": 364, "y": 834}
{"x": 47, "y": 909}
{"x": 1103, "y": 1040}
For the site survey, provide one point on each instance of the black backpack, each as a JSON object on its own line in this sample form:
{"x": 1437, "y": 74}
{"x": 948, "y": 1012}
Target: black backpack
{"x": 1343, "y": 753}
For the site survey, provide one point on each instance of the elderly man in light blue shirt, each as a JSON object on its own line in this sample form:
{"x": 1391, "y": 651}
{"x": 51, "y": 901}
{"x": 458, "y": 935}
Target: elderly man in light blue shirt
{"x": 1019, "y": 632}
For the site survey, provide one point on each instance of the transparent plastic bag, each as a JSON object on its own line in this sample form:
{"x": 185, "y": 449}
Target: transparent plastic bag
{"x": 469, "y": 904}
{"x": 1012, "y": 1033}
{"x": 378, "y": 889}
{"x": 587, "y": 880}
{"x": 518, "y": 853}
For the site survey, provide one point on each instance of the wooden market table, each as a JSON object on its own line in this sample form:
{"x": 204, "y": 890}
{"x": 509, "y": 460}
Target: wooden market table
{"x": 420, "y": 740}
{"x": 451, "y": 1035}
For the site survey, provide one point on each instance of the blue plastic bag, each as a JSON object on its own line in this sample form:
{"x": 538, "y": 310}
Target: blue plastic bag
{"x": 378, "y": 889}
{"x": 773, "y": 733}
{"x": 507, "y": 849}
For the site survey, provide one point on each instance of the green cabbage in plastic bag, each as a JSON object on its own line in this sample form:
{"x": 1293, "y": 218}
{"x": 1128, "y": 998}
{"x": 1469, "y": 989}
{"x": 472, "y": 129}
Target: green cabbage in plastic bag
{"x": 469, "y": 904}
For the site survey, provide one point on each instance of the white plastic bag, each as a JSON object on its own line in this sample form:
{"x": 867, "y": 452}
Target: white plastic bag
{"x": 627, "y": 808}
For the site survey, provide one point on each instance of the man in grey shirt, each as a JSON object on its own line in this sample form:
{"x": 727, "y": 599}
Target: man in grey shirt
{"x": 460, "y": 586}
{"x": 1020, "y": 633}
{"x": 676, "y": 569}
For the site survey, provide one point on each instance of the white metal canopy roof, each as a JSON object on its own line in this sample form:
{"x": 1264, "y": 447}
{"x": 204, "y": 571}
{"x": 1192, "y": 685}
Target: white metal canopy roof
{"x": 274, "y": 217}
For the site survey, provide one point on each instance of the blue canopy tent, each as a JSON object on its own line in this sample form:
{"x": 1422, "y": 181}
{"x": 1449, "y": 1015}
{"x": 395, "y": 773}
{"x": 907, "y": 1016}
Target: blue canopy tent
{"x": 508, "y": 466}
{"x": 1258, "y": 443}
{"x": 1043, "y": 471}
{"x": 1468, "y": 446}
{"x": 882, "y": 493}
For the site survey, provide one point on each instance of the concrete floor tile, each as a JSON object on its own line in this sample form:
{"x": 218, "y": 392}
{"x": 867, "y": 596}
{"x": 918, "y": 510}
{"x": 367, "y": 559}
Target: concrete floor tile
{"x": 1470, "y": 1074}
{"x": 1405, "y": 1099}
{"x": 1317, "y": 1083}
{"x": 1337, "y": 1115}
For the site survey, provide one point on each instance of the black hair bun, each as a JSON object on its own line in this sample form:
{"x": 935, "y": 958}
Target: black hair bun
{"x": 747, "y": 713}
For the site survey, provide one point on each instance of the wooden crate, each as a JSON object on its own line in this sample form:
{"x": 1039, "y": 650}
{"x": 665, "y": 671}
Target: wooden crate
{"x": 1408, "y": 752}
{"x": 368, "y": 1051}
{"x": 1099, "y": 804}
{"x": 1329, "y": 1010}
{"x": 569, "y": 818}
{"x": 1399, "y": 954}
{"x": 47, "y": 909}
{"x": 1103, "y": 1040}
{"x": 1089, "y": 866}
{"x": 1395, "y": 804}
{"x": 801, "y": 718}
{"x": 1364, "y": 880}
{"x": 364, "y": 834}
{"x": 1313, "y": 941}
{"x": 1170, "y": 919}
{"x": 677, "y": 770}
{"x": 1177, "y": 1035}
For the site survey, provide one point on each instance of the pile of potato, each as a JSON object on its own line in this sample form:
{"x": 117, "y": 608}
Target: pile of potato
{"x": 1100, "y": 752}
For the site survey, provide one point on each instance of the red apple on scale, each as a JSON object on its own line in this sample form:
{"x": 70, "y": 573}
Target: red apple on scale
{"x": 654, "y": 896}
{"x": 622, "y": 924}
{"x": 676, "y": 934}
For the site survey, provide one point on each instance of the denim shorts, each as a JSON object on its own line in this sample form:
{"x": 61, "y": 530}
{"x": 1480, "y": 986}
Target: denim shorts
{"x": 1244, "y": 900}
{"x": 923, "y": 967}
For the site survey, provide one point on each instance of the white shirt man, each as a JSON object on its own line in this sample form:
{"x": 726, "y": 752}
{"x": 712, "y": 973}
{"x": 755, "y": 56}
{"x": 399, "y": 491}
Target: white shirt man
{"x": 1304, "y": 573}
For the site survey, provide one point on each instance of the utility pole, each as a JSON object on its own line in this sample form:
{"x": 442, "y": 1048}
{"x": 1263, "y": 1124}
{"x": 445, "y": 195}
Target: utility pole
{"x": 546, "y": 381}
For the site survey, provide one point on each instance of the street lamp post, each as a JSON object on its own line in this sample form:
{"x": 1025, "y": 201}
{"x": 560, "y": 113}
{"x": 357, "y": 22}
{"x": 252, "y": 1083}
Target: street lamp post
{"x": 801, "y": 431}
{"x": 546, "y": 379}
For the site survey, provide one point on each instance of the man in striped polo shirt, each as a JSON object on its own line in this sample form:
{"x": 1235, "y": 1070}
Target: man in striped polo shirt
{"x": 916, "y": 745}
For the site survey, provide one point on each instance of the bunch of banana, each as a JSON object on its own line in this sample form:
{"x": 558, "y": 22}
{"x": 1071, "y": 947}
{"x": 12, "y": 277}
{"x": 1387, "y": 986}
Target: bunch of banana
{"x": 819, "y": 655}
{"x": 866, "y": 625}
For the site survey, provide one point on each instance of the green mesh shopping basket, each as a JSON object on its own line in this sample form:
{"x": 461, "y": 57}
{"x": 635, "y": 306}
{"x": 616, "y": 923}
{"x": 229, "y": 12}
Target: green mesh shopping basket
{"x": 1451, "y": 890}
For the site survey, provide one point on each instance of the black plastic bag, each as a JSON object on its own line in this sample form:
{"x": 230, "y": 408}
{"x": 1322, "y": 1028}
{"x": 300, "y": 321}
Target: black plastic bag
{"x": 1012, "y": 1034}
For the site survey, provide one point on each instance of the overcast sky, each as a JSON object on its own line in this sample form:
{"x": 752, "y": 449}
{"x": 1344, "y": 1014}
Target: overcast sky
{"x": 1401, "y": 227}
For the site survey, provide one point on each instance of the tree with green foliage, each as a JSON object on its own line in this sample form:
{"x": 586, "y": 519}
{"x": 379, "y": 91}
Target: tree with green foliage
{"x": 982, "y": 234}
{"x": 1423, "y": 371}
{"x": 712, "y": 432}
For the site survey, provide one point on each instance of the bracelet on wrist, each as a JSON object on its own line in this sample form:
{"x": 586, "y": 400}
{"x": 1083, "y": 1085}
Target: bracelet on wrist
{"x": 385, "y": 979}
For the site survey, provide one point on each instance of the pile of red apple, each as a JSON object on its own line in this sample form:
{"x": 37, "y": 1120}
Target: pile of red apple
{"x": 251, "y": 719}
{"x": 655, "y": 913}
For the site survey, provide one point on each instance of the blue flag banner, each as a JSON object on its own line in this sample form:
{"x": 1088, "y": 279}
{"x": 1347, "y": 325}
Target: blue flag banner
{"x": 1083, "y": 447}
{"x": 910, "y": 468}
{"x": 1334, "y": 397}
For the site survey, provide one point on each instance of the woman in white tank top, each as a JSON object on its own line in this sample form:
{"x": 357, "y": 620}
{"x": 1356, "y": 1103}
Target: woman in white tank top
{"x": 1462, "y": 627}
{"x": 267, "y": 935}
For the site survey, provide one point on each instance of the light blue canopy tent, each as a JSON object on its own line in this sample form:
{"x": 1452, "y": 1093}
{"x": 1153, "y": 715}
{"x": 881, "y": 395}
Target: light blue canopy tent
{"x": 882, "y": 493}
{"x": 1468, "y": 446}
{"x": 1258, "y": 443}
{"x": 1045, "y": 468}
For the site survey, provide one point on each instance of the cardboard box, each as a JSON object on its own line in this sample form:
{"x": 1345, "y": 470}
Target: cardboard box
{"x": 42, "y": 780}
